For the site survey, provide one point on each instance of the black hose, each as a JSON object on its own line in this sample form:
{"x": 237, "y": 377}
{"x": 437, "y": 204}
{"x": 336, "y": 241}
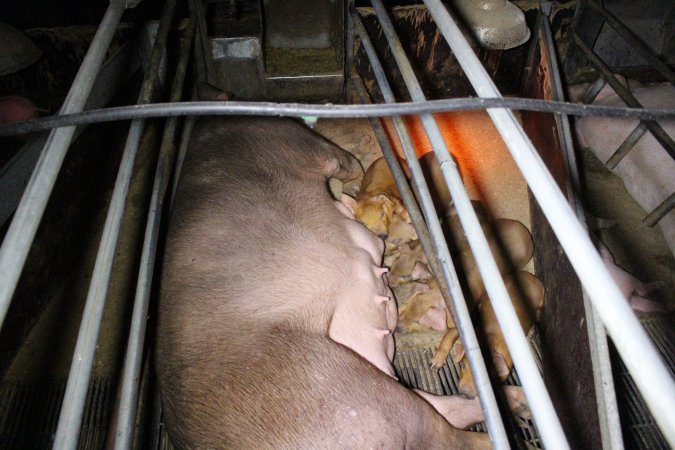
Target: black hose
{"x": 333, "y": 111}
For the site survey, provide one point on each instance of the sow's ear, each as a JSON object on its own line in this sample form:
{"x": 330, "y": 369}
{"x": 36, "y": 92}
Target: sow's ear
{"x": 208, "y": 93}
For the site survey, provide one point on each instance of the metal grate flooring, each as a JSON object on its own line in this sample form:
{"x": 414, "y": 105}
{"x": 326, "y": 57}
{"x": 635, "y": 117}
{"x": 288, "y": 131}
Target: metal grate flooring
{"x": 413, "y": 367}
{"x": 29, "y": 414}
{"x": 640, "y": 430}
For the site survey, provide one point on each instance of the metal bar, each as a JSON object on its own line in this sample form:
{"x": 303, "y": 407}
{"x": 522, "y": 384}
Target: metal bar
{"x": 70, "y": 420}
{"x": 21, "y": 232}
{"x": 199, "y": 108}
{"x": 407, "y": 196}
{"x": 206, "y": 51}
{"x": 626, "y": 146}
{"x": 533, "y": 384}
{"x": 625, "y": 94}
{"x": 660, "y": 211}
{"x": 409, "y": 202}
{"x": 634, "y": 41}
{"x": 188, "y": 125}
{"x": 189, "y": 122}
{"x": 608, "y": 410}
{"x": 15, "y": 174}
{"x": 349, "y": 46}
{"x": 446, "y": 273}
{"x": 634, "y": 345}
{"x": 134, "y": 356}
{"x": 593, "y": 90}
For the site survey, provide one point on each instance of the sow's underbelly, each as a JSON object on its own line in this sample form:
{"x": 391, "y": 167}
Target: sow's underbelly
{"x": 250, "y": 187}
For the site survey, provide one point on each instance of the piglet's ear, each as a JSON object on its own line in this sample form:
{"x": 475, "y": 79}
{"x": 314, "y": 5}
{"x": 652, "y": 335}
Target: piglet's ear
{"x": 349, "y": 202}
{"x": 418, "y": 288}
{"x": 344, "y": 210}
{"x": 420, "y": 272}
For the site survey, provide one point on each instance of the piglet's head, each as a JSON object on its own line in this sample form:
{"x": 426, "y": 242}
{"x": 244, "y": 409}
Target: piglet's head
{"x": 375, "y": 213}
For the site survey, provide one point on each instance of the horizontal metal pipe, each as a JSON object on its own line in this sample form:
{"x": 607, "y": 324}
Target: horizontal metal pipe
{"x": 21, "y": 232}
{"x": 445, "y": 273}
{"x": 70, "y": 420}
{"x": 335, "y": 111}
{"x": 540, "y": 402}
{"x": 634, "y": 345}
{"x": 636, "y": 43}
{"x": 135, "y": 344}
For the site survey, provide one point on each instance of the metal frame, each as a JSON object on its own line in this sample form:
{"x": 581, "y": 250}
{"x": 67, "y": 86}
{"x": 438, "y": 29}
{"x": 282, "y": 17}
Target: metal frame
{"x": 632, "y": 342}
{"x": 445, "y": 274}
{"x": 606, "y": 74}
{"x": 21, "y": 233}
{"x": 70, "y": 419}
{"x": 636, "y": 349}
{"x": 16, "y": 173}
{"x": 135, "y": 345}
{"x": 611, "y": 434}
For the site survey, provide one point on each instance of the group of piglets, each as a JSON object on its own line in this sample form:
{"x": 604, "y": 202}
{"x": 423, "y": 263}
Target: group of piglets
{"x": 275, "y": 317}
{"x": 378, "y": 205}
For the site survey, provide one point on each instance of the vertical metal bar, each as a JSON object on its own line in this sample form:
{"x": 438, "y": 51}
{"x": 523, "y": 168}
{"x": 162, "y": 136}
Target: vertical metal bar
{"x": 625, "y": 94}
{"x": 134, "y": 355}
{"x": 634, "y": 345}
{"x": 349, "y": 45}
{"x": 70, "y": 420}
{"x": 21, "y": 233}
{"x": 188, "y": 125}
{"x": 206, "y": 47}
{"x": 416, "y": 217}
{"x": 633, "y": 41}
{"x": 446, "y": 272}
{"x": 605, "y": 394}
{"x": 533, "y": 384}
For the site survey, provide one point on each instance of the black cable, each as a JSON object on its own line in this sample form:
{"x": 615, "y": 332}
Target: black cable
{"x": 332, "y": 111}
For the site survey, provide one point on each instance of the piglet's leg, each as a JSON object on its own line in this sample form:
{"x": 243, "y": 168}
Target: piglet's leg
{"x": 444, "y": 348}
{"x": 460, "y": 412}
{"x": 642, "y": 304}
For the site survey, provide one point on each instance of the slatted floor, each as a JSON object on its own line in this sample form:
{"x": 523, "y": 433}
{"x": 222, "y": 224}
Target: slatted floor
{"x": 29, "y": 412}
{"x": 413, "y": 369}
{"x": 640, "y": 430}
